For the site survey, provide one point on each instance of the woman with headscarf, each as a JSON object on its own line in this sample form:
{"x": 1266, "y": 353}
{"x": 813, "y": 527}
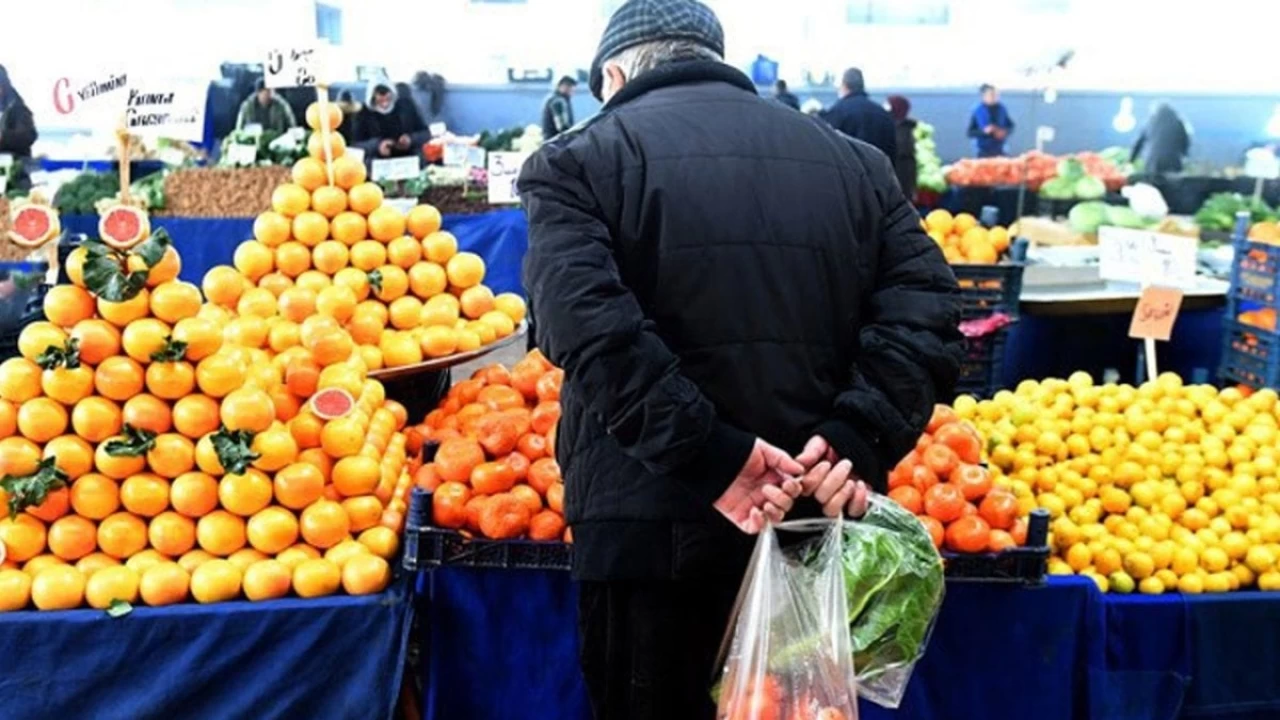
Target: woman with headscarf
{"x": 17, "y": 130}
{"x": 904, "y": 160}
{"x": 384, "y": 128}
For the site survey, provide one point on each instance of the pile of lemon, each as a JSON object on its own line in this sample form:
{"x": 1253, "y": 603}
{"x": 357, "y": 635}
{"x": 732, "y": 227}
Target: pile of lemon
{"x": 1157, "y": 488}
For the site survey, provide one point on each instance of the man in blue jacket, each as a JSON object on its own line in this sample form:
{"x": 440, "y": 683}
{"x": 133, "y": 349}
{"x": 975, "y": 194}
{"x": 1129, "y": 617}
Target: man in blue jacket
{"x": 989, "y": 124}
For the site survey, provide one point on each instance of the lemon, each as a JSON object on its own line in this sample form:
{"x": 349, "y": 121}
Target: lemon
{"x": 1121, "y": 583}
{"x": 1139, "y": 565}
{"x": 1191, "y": 584}
{"x": 1167, "y": 578}
{"x": 1269, "y": 581}
{"x": 1151, "y": 586}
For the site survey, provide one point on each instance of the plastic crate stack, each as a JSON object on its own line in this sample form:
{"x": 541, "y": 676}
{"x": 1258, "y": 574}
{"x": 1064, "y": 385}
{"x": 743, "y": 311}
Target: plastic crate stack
{"x": 984, "y": 291}
{"x": 1251, "y": 345}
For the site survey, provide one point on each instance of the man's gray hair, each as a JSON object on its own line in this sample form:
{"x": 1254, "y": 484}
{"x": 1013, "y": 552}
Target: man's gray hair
{"x": 641, "y": 58}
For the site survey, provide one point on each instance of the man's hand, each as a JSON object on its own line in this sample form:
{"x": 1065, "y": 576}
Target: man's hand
{"x": 831, "y": 483}
{"x": 384, "y": 148}
{"x": 989, "y": 130}
{"x": 403, "y": 142}
{"x": 764, "y": 489}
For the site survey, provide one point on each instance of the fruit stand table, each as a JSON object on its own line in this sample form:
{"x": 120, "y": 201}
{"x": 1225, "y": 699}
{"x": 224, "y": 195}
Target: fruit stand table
{"x": 335, "y": 657}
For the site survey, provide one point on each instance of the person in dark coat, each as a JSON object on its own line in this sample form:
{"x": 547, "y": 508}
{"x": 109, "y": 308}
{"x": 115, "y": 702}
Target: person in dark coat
{"x": 904, "y": 161}
{"x": 557, "y": 109}
{"x": 857, "y": 116}
{"x": 17, "y": 131}
{"x": 427, "y": 94}
{"x": 739, "y": 296}
{"x": 386, "y": 127}
{"x": 784, "y": 96}
{"x": 265, "y": 109}
{"x": 1164, "y": 142}
{"x": 989, "y": 124}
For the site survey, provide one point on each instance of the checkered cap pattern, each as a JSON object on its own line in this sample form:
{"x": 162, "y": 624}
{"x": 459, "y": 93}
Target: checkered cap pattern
{"x": 641, "y": 21}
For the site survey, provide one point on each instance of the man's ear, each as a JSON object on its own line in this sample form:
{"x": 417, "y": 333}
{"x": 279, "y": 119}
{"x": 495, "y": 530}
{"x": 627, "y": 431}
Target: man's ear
{"x": 614, "y": 79}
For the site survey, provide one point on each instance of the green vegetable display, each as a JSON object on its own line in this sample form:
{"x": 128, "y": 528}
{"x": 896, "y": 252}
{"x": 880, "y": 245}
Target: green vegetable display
{"x": 1219, "y": 212}
{"x": 79, "y": 196}
{"x": 929, "y": 174}
{"x": 1087, "y": 217}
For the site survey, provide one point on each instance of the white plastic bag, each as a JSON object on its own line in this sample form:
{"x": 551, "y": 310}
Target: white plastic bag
{"x": 787, "y": 654}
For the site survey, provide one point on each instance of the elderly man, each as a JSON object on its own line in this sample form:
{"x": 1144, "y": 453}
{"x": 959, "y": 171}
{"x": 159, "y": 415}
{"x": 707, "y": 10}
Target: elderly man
{"x": 740, "y": 296}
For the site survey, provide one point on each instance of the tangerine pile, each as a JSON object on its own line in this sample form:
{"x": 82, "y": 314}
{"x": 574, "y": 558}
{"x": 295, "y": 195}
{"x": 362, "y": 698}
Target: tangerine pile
{"x": 151, "y": 449}
{"x": 396, "y": 282}
{"x": 495, "y": 472}
{"x": 963, "y": 240}
{"x": 944, "y": 484}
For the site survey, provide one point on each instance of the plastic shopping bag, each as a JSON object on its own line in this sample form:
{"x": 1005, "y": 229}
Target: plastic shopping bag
{"x": 787, "y": 655}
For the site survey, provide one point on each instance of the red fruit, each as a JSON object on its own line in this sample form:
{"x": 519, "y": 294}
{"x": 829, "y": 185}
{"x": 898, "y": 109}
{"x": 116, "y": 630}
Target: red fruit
{"x": 999, "y": 509}
{"x": 940, "y": 459}
{"x": 944, "y": 502}
{"x": 969, "y": 534}
{"x": 909, "y": 498}
{"x": 942, "y": 415}
{"x": 936, "y": 531}
{"x": 973, "y": 480}
{"x": 963, "y": 440}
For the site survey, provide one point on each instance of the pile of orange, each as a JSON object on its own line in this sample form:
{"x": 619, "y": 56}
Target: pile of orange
{"x": 942, "y": 482}
{"x": 161, "y": 447}
{"x": 963, "y": 240}
{"x": 395, "y": 281}
{"x": 495, "y": 473}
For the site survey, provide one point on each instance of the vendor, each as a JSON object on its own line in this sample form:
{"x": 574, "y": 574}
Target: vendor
{"x": 265, "y": 109}
{"x": 1164, "y": 142}
{"x": 989, "y": 124}
{"x": 17, "y": 131}
{"x": 384, "y": 130}
{"x": 557, "y": 110}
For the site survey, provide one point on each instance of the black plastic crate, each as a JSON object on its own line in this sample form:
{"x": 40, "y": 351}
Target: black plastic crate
{"x": 982, "y": 365}
{"x": 430, "y": 547}
{"x": 1250, "y": 355}
{"x": 1023, "y": 565}
{"x": 988, "y": 289}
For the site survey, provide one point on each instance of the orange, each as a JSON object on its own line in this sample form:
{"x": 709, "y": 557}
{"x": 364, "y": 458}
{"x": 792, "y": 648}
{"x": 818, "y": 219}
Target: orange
{"x": 19, "y": 380}
{"x": 337, "y": 302}
{"x": 366, "y": 328}
{"x": 363, "y": 512}
{"x": 386, "y": 223}
{"x": 318, "y": 459}
{"x": 366, "y": 197}
{"x": 39, "y": 563}
{"x": 271, "y": 228}
{"x": 248, "y": 408}
{"x": 175, "y": 300}
{"x": 310, "y": 228}
{"x": 298, "y": 485}
{"x": 301, "y": 376}
{"x": 143, "y": 338}
{"x": 348, "y": 172}
{"x": 316, "y": 578}
{"x": 290, "y": 199}
{"x": 293, "y": 258}
{"x": 148, "y": 412}
{"x": 356, "y": 475}
{"x": 465, "y": 270}
{"x": 422, "y": 221}
{"x": 427, "y": 279}
{"x": 18, "y": 457}
{"x": 122, "y": 313}
{"x": 329, "y": 201}
{"x": 56, "y": 504}
{"x": 41, "y": 419}
{"x": 193, "y": 494}
{"x": 267, "y": 580}
{"x": 342, "y": 437}
{"x": 117, "y": 467}
{"x": 272, "y": 530}
{"x": 98, "y": 339}
{"x": 555, "y": 497}
{"x": 195, "y": 416}
{"x": 170, "y": 380}
{"x": 15, "y": 590}
{"x": 121, "y": 535}
{"x": 110, "y": 584}
{"x": 223, "y": 285}
{"x": 313, "y": 280}
{"x": 219, "y": 374}
{"x": 341, "y": 553}
{"x": 275, "y": 448}
{"x": 275, "y": 283}
{"x": 67, "y": 385}
{"x": 324, "y": 524}
{"x": 381, "y": 541}
{"x": 399, "y": 349}
{"x": 66, "y": 305}
{"x": 8, "y": 419}
{"x": 529, "y": 497}
{"x": 330, "y": 256}
{"x": 504, "y": 517}
{"x": 245, "y": 558}
{"x": 324, "y": 118}
{"x": 164, "y": 271}
{"x": 172, "y": 534}
{"x": 253, "y": 260}
{"x": 284, "y": 335}
{"x": 37, "y": 337}
{"x": 245, "y": 494}
{"x": 439, "y": 341}
{"x": 145, "y": 559}
{"x": 365, "y": 575}
{"x": 511, "y": 305}
{"x": 166, "y": 583}
{"x": 969, "y": 534}
{"x": 215, "y": 581}
{"x": 72, "y": 537}
{"x": 95, "y": 419}
{"x": 58, "y": 588}
{"x": 405, "y": 313}
{"x": 75, "y": 265}
{"x": 368, "y": 255}
{"x": 220, "y": 533}
{"x": 193, "y": 559}
{"x": 294, "y": 556}
{"x": 331, "y": 348}
{"x": 94, "y": 496}
{"x": 392, "y": 282}
{"x": 476, "y": 301}
{"x": 439, "y": 247}
{"x": 316, "y": 144}
{"x": 119, "y": 378}
{"x": 348, "y": 228}
{"x": 172, "y": 455}
{"x": 145, "y": 494}
{"x": 309, "y": 174}
{"x": 404, "y": 252}
{"x": 546, "y": 525}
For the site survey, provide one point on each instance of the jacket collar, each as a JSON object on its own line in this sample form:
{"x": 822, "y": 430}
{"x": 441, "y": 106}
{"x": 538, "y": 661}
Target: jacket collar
{"x": 680, "y": 73}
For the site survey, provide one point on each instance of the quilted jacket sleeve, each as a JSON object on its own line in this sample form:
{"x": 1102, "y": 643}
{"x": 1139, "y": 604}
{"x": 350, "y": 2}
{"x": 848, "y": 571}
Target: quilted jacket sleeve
{"x": 909, "y": 344}
{"x": 591, "y": 325}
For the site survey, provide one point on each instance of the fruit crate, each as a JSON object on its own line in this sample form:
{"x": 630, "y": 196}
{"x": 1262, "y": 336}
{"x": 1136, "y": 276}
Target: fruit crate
{"x": 1254, "y": 278}
{"x": 982, "y": 365}
{"x": 1023, "y": 565}
{"x": 1250, "y": 355}
{"x": 427, "y": 547}
{"x": 987, "y": 289}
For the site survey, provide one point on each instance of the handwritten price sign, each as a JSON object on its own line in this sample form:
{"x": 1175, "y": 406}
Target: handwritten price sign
{"x": 1146, "y": 257}
{"x": 1155, "y": 313}
{"x": 292, "y": 67}
{"x": 504, "y": 171}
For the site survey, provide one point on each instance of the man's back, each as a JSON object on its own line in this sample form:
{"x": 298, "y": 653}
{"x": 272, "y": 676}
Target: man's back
{"x": 858, "y": 117}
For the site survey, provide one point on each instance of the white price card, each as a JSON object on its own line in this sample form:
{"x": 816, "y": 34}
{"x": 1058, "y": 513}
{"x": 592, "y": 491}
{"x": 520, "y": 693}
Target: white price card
{"x": 292, "y": 67}
{"x": 476, "y": 157}
{"x": 438, "y": 129}
{"x": 355, "y": 153}
{"x": 4, "y": 187}
{"x": 504, "y": 171}
{"x": 167, "y": 109}
{"x": 92, "y": 100}
{"x": 455, "y": 155}
{"x": 252, "y": 129}
{"x": 242, "y": 155}
{"x": 1146, "y": 257}
{"x": 6, "y": 160}
{"x": 395, "y": 169}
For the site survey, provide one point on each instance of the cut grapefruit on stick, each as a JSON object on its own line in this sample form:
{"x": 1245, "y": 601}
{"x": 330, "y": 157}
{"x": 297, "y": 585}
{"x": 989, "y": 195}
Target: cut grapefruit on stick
{"x": 33, "y": 225}
{"x": 332, "y": 403}
{"x": 124, "y": 226}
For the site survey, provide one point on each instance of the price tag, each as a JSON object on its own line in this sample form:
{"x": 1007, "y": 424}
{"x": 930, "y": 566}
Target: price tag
{"x": 1262, "y": 163}
{"x": 504, "y": 171}
{"x": 6, "y": 160}
{"x": 395, "y": 169}
{"x": 438, "y": 129}
{"x": 356, "y": 154}
{"x": 239, "y": 154}
{"x": 1155, "y": 313}
{"x": 253, "y": 129}
{"x": 4, "y": 184}
{"x": 455, "y": 155}
{"x": 1141, "y": 256}
{"x": 167, "y": 109}
{"x": 476, "y": 157}
{"x": 292, "y": 67}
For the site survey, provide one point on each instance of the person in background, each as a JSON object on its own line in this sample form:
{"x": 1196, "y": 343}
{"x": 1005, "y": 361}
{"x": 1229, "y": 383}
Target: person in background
{"x": 427, "y": 94}
{"x": 557, "y": 109}
{"x": 855, "y": 115}
{"x": 712, "y": 356}
{"x": 989, "y": 124}
{"x": 904, "y": 161}
{"x": 385, "y": 129}
{"x": 265, "y": 109}
{"x": 781, "y": 94}
{"x": 1164, "y": 142}
{"x": 350, "y": 110}
{"x": 17, "y": 131}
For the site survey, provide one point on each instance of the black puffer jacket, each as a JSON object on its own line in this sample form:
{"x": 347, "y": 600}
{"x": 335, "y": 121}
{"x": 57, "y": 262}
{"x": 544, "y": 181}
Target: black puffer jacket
{"x": 707, "y": 267}
{"x": 858, "y": 116}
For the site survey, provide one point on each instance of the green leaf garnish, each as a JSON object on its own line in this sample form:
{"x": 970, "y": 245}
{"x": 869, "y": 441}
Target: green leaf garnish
{"x": 28, "y": 491}
{"x": 234, "y": 449}
{"x": 134, "y": 442}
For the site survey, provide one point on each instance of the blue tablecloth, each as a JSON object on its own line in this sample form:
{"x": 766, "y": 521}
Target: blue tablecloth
{"x": 500, "y": 237}
{"x": 338, "y": 657}
{"x": 501, "y": 645}
{"x": 138, "y": 169}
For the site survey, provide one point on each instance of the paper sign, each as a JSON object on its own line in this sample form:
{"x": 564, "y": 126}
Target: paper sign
{"x": 1155, "y": 313}
{"x": 1262, "y": 163}
{"x": 252, "y": 129}
{"x": 504, "y": 171}
{"x": 1141, "y": 256}
{"x": 167, "y": 109}
{"x": 238, "y": 154}
{"x": 6, "y": 160}
{"x": 438, "y": 129}
{"x": 455, "y": 155}
{"x": 476, "y": 156}
{"x": 355, "y": 153}
{"x": 292, "y": 67}
{"x": 395, "y": 169}
{"x": 4, "y": 186}
{"x": 91, "y": 98}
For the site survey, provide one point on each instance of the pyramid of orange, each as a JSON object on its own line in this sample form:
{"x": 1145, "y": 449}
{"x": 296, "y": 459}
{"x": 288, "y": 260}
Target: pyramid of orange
{"x": 396, "y": 282}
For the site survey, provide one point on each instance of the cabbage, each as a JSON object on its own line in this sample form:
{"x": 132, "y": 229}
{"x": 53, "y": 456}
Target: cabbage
{"x": 1124, "y": 216}
{"x": 1090, "y": 188}
{"x": 1087, "y": 217}
{"x": 1070, "y": 168}
{"x": 1058, "y": 189}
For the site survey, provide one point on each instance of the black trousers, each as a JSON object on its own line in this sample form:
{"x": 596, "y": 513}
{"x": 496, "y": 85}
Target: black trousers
{"x": 648, "y": 649}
